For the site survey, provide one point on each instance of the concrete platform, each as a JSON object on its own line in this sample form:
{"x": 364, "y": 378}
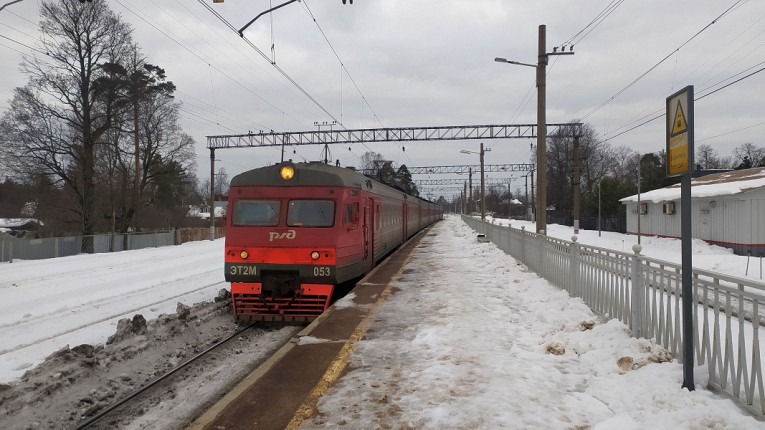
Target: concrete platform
{"x": 283, "y": 392}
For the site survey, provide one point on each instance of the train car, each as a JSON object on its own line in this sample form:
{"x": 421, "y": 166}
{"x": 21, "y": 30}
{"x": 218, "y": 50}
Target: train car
{"x": 296, "y": 230}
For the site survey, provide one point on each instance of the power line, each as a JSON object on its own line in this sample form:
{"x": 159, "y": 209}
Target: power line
{"x": 24, "y": 44}
{"x": 696, "y": 99}
{"x": 644, "y": 74}
{"x": 599, "y": 18}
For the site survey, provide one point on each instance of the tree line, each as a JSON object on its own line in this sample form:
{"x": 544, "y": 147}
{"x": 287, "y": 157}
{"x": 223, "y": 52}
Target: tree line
{"x": 92, "y": 142}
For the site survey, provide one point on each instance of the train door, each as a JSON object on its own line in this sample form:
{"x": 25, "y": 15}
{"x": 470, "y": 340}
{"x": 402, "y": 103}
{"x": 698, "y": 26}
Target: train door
{"x": 368, "y": 228}
{"x": 404, "y": 230}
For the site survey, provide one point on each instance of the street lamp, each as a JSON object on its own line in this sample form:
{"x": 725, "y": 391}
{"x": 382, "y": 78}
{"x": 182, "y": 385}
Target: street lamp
{"x": 541, "y": 67}
{"x": 483, "y": 200}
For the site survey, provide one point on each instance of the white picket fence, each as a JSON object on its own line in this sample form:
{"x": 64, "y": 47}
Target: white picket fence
{"x": 645, "y": 294}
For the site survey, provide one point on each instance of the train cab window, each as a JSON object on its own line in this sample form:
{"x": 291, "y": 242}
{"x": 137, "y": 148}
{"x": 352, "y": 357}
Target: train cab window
{"x": 311, "y": 213}
{"x": 256, "y": 212}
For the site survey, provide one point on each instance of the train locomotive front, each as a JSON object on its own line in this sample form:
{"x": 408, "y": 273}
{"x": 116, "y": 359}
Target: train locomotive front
{"x": 292, "y": 234}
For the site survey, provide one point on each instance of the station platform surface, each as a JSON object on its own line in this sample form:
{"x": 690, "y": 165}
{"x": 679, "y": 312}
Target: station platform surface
{"x": 451, "y": 333}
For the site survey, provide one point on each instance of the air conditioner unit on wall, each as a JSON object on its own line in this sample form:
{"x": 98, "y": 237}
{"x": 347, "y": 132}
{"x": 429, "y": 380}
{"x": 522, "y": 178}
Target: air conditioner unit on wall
{"x": 668, "y": 208}
{"x": 643, "y": 208}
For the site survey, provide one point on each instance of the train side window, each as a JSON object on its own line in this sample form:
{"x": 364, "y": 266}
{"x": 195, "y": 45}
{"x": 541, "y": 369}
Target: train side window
{"x": 351, "y": 213}
{"x": 311, "y": 213}
{"x": 256, "y": 212}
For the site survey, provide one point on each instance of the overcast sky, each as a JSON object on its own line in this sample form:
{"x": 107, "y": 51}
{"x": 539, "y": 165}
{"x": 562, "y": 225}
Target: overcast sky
{"x": 431, "y": 63}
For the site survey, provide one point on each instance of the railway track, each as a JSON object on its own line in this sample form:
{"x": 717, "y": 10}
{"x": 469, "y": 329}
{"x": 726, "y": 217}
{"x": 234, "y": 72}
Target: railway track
{"x": 142, "y": 390}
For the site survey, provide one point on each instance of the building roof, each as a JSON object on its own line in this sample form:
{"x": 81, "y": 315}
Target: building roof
{"x": 718, "y": 184}
{"x": 17, "y": 223}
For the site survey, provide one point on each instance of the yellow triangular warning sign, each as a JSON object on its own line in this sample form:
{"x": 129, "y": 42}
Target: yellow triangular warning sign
{"x": 679, "y": 125}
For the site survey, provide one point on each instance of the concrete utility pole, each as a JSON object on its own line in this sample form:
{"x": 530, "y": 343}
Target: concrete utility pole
{"x": 542, "y": 131}
{"x": 541, "y": 67}
{"x": 470, "y": 202}
{"x": 212, "y": 193}
{"x": 576, "y": 184}
{"x": 483, "y": 181}
{"x": 464, "y": 199}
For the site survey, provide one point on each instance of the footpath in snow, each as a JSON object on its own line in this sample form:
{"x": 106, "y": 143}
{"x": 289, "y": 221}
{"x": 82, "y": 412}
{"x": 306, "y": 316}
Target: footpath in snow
{"x": 472, "y": 339}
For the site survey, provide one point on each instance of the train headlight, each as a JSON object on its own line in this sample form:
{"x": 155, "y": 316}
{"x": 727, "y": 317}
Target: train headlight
{"x": 315, "y": 255}
{"x": 287, "y": 172}
{"x": 244, "y": 255}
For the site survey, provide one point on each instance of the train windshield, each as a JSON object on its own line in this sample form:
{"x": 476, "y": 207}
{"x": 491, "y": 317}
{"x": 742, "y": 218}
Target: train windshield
{"x": 256, "y": 212}
{"x": 311, "y": 213}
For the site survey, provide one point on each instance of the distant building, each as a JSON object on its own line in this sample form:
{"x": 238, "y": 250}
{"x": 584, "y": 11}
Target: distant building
{"x": 203, "y": 212}
{"x": 728, "y": 209}
{"x": 19, "y": 227}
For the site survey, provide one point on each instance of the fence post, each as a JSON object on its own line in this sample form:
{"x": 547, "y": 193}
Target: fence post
{"x": 540, "y": 238}
{"x": 523, "y": 245}
{"x": 55, "y": 248}
{"x": 574, "y": 268}
{"x": 10, "y": 251}
{"x": 637, "y": 301}
{"x": 508, "y": 232}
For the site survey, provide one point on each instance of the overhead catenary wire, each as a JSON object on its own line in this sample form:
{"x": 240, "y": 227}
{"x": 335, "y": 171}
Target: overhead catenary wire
{"x": 227, "y": 40}
{"x": 206, "y": 62}
{"x": 262, "y": 54}
{"x": 342, "y": 64}
{"x": 219, "y": 123}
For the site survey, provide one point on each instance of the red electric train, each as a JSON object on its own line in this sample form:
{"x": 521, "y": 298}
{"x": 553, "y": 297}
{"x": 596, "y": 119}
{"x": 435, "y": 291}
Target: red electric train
{"x": 296, "y": 230}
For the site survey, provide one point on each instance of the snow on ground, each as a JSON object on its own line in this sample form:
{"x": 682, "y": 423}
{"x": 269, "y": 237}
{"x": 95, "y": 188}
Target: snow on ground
{"x": 470, "y": 339}
{"x": 48, "y": 304}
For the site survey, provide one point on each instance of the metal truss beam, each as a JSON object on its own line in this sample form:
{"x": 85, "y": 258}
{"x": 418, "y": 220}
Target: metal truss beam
{"x": 463, "y": 169}
{"x": 460, "y": 181}
{"x": 403, "y": 134}
{"x": 441, "y": 188}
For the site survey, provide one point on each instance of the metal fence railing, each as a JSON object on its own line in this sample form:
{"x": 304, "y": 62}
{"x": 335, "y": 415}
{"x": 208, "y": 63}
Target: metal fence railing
{"x": 645, "y": 294}
{"x": 13, "y": 248}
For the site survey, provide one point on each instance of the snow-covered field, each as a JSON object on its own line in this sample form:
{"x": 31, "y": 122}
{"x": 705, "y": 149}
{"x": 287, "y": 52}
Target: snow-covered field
{"x": 48, "y": 304}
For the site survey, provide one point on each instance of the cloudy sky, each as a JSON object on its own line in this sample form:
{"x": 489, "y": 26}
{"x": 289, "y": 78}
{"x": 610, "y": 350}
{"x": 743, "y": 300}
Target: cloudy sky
{"x": 397, "y": 63}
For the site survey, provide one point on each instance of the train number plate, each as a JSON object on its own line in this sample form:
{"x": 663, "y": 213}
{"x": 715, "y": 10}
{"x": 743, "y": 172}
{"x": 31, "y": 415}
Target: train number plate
{"x": 240, "y": 269}
{"x": 322, "y": 271}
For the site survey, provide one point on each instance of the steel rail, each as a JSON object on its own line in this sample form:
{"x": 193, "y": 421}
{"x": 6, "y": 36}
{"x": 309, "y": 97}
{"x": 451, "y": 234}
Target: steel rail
{"x": 146, "y": 387}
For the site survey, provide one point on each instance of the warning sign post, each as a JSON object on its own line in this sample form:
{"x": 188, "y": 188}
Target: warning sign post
{"x": 680, "y": 163}
{"x": 680, "y": 132}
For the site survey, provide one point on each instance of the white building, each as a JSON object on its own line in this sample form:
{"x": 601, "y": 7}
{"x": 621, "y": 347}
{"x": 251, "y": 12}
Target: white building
{"x": 728, "y": 209}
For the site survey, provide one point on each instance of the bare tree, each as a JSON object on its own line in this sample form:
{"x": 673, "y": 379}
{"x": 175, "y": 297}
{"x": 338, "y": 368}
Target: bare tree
{"x": 594, "y": 156}
{"x": 371, "y": 161}
{"x": 707, "y": 158}
{"x": 749, "y": 155}
{"x": 60, "y": 117}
